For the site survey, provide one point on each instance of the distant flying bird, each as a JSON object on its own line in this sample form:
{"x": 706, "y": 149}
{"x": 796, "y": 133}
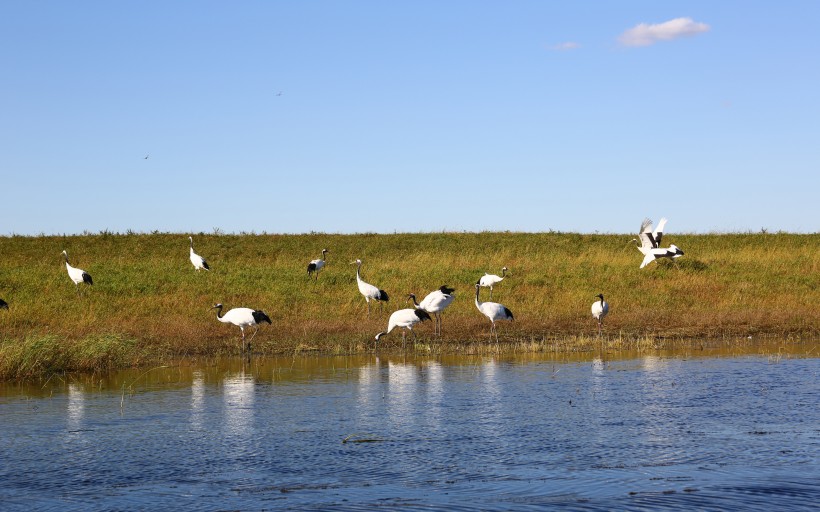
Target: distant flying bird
{"x": 600, "y": 309}
{"x": 651, "y": 243}
{"x": 242, "y": 317}
{"x": 4, "y": 304}
{"x": 197, "y": 260}
{"x": 317, "y": 265}
{"x": 368, "y": 290}
{"x": 146, "y": 157}
{"x": 279, "y": 93}
{"x": 405, "y": 318}
{"x": 77, "y": 275}
{"x": 492, "y": 310}
{"x": 435, "y": 302}
{"x": 490, "y": 280}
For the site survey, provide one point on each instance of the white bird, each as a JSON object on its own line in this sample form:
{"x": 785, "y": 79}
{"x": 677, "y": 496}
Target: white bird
{"x": 317, "y": 265}
{"x": 651, "y": 243}
{"x": 405, "y": 318}
{"x": 77, "y": 275}
{"x": 492, "y": 310}
{"x": 4, "y": 304}
{"x": 242, "y": 317}
{"x": 490, "y": 280}
{"x": 197, "y": 260}
{"x": 368, "y": 290}
{"x": 600, "y": 309}
{"x": 435, "y": 302}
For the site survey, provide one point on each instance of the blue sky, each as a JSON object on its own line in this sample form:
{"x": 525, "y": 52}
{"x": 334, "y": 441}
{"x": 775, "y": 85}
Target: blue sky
{"x": 409, "y": 116}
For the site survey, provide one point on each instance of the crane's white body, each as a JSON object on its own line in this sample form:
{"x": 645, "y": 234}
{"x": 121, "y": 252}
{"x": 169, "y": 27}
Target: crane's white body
{"x": 490, "y": 280}
{"x": 368, "y": 291}
{"x": 435, "y": 302}
{"x": 493, "y": 311}
{"x": 599, "y": 310}
{"x": 650, "y": 241}
{"x": 77, "y": 275}
{"x": 317, "y": 265}
{"x": 242, "y": 317}
{"x": 404, "y": 318}
{"x": 198, "y": 261}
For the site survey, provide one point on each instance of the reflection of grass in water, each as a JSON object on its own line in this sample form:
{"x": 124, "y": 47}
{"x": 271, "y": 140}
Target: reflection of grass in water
{"x": 148, "y": 305}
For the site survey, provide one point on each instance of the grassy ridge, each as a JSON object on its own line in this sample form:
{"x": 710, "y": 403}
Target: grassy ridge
{"x": 148, "y": 302}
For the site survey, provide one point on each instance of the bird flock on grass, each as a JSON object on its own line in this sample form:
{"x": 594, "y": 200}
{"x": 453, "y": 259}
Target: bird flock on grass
{"x": 433, "y": 303}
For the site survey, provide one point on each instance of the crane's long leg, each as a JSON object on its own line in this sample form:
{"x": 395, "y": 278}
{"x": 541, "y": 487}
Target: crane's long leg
{"x": 368, "y": 305}
{"x": 491, "y": 293}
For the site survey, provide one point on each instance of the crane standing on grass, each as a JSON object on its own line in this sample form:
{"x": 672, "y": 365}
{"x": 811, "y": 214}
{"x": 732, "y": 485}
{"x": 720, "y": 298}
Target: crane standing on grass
{"x": 242, "y": 317}
{"x": 198, "y": 261}
{"x": 405, "y": 318}
{"x": 77, "y": 275}
{"x": 435, "y": 302}
{"x": 317, "y": 265}
{"x": 600, "y": 309}
{"x": 490, "y": 280}
{"x": 368, "y": 290}
{"x": 492, "y": 310}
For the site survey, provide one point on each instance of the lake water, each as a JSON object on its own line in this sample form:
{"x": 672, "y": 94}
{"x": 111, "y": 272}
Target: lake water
{"x": 700, "y": 430}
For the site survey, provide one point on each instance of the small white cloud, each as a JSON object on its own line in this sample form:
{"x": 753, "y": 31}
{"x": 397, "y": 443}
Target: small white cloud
{"x": 646, "y": 34}
{"x": 562, "y": 47}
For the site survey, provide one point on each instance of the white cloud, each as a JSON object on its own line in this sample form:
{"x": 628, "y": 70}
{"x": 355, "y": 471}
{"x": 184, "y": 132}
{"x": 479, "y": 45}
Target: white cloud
{"x": 646, "y": 34}
{"x": 562, "y": 47}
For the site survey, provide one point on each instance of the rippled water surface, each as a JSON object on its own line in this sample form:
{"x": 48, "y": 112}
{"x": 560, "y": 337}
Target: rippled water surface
{"x": 721, "y": 430}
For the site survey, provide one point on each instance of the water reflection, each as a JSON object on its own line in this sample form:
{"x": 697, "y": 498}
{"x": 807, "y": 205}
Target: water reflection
{"x": 197, "y": 400}
{"x": 75, "y": 408}
{"x": 592, "y": 431}
{"x": 238, "y": 397}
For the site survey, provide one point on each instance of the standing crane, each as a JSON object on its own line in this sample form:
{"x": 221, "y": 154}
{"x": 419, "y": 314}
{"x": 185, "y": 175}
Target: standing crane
{"x": 77, "y": 275}
{"x": 242, "y": 317}
{"x": 600, "y": 309}
{"x": 317, "y": 265}
{"x": 405, "y": 318}
{"x": 368, "y": 290}
{"x": 197, "y": 260}
{"x": 492, "y": 310}
{"x": 435, "y": 302}
{"x": 490, "y": 280}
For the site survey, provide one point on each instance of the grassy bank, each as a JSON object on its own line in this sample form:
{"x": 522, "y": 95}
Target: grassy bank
{"x": 148, "y": 303}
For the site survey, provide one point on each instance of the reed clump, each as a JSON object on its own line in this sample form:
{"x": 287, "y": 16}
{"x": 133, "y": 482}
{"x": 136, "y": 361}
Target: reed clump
{"x": 148, "y": 304}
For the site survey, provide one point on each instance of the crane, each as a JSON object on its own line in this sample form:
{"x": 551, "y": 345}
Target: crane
{"x": 77, "y": 275}
{"x": 650, "y": 241}
{"x": 405, "y": 318}
{"x": 600, "y": 308}
{"x": 368, "y": 290}
{"x": 490, "y": 280}
{"x": 435, "y": 302}
{"x": 242, "y": 317}
{"x": 492, "y": 310}
{"x": 197, "y": 260}
{"x": 317, "y": 265}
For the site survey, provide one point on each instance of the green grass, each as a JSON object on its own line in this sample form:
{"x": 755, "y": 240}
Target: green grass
{"x": 148, "y": 304}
